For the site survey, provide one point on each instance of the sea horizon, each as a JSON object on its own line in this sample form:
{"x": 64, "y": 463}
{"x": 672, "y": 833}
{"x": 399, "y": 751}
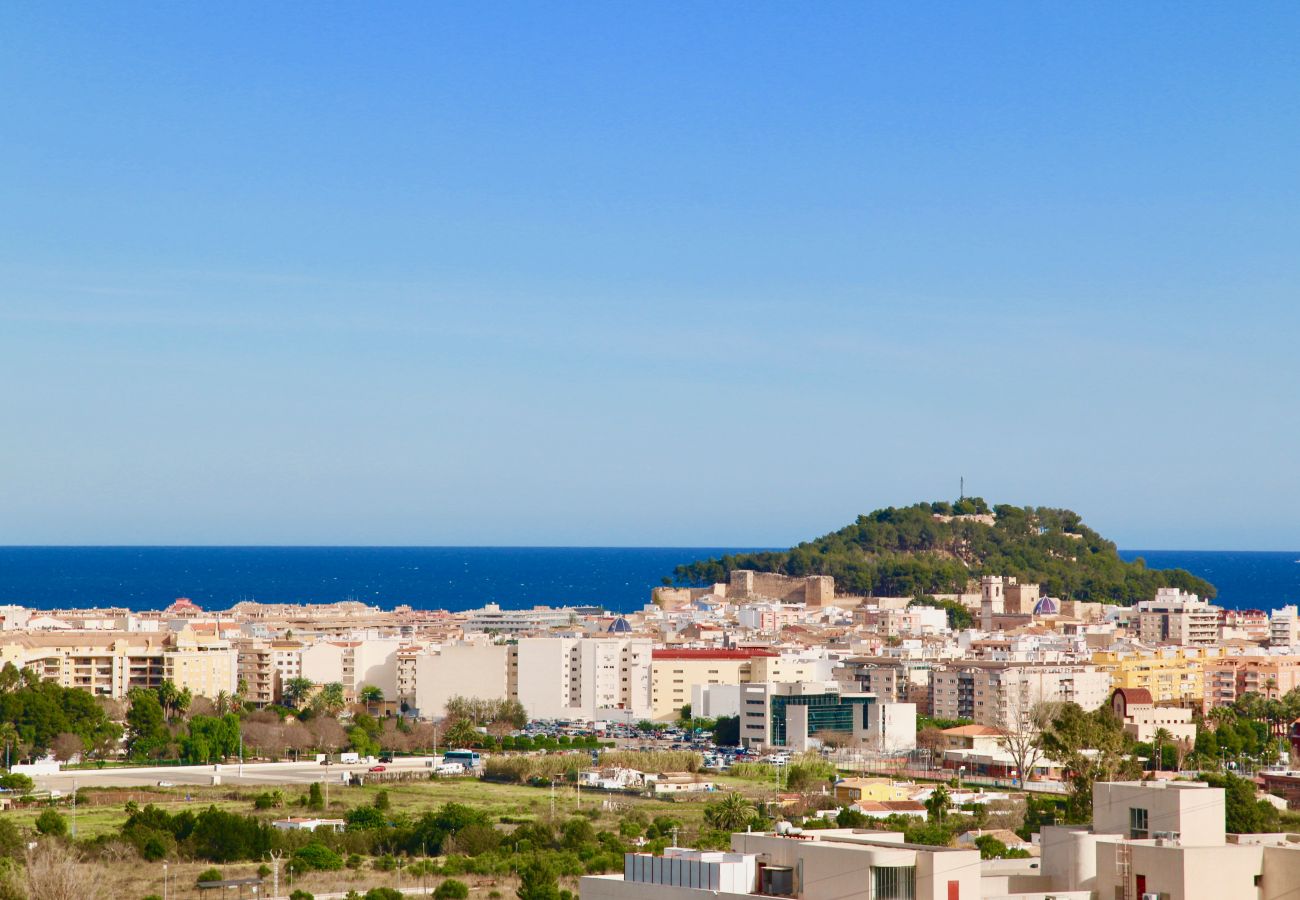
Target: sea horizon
{"x": 458, "y": 577}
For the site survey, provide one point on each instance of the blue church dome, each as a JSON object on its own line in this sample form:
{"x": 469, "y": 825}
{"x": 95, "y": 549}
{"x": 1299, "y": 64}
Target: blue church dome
{"x": 1047, "y": 606}
{"x": 619, "y": 626}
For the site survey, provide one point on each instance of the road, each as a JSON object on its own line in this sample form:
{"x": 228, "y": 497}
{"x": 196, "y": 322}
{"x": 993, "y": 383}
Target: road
{"x": 229, "y": 773}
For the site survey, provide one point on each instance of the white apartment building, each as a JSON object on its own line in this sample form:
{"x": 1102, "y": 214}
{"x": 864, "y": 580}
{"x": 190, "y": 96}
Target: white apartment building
{"x": 1177, "y": 617}
{"x": 1284, "y": 627}
{"x": 492, "y": 618}
{"x": 581, "y": 678}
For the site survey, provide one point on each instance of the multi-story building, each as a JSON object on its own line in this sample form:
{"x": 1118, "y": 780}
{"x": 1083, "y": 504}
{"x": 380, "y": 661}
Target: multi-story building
{"x": 110, "y": 664}
{"x": 992, "y": 693}
{"x": 1228, "y": 677}
{"x": 674, "y": 672}
{"x": 474, "y": 670}
{"x": 799, "y": 715}
{"x": 257, "y": 674}
{"x": 1284, "y": 627}
{"x": 892, "y": 680}
{"x": 1170, "y": 674}
{"x": 581, "y": 678}
{"x": 493, "y": 619}
{"x": 354, "y": 664}
{"x": 1177, "y": 617}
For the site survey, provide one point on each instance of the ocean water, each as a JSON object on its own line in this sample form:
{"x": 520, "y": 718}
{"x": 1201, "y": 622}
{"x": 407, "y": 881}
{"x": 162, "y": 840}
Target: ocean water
{"x": 452, "y": 578}
{"x": 1245, "y": 579}
{"x": 618, "y": 578}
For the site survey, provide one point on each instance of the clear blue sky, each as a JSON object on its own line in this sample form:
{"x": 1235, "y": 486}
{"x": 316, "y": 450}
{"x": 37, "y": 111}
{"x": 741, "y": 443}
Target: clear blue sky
{"x": 616, "y": 273}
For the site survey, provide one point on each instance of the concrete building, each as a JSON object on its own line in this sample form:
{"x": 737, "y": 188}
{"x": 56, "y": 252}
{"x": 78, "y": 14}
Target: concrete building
{"x": 830, "y": 864}
{"x": 471, "y": 670}
{"x": 800, "y": 715}
{"x": 987, "y": 693}
{"x": 110, "y": 664}
{"x": 1142, "y": 718}
{"x": 1284, "y": 627}
{"x": 1228, "y": 677}
{"x": 675, "y": 671}
{"x": 493, "y": 619}
{"x": 582, "y": 678}
{"x": 1172, "y": 675}
{"x": 1177, "y": 617}
{"x": 354, "y": 664}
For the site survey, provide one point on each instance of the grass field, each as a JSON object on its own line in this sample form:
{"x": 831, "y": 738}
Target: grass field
{"x": 130, "y": 877}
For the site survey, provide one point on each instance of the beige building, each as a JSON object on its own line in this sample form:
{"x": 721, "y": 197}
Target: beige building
{"x": 110, "y": 664}
{"x": 354, "y": 664}
{"x": 472, "y": 670}
{"x": 988, "y": 693}
{"x": 1177, "y": 617}
{"x": 673, "y": 673}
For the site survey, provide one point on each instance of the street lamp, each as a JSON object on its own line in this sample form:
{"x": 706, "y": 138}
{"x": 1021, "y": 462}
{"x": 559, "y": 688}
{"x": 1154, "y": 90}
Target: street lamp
{"x": 961, "y": 770}
{"x": 164, "y": 881}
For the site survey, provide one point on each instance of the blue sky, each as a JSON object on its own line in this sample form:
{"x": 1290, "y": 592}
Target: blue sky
{"x": 657, "y": 274}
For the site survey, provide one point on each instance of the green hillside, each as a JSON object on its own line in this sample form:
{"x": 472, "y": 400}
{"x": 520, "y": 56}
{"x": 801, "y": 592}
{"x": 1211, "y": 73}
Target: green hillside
{"x": 908, "y": 552}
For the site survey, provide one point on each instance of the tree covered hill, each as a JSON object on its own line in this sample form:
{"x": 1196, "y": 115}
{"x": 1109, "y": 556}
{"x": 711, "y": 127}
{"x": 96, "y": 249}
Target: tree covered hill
{"x": 909, "y": 552}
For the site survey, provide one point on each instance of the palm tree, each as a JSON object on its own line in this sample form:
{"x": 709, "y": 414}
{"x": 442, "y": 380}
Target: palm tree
{"x": 1158, "y": 742}
{"x": 330, "y": 699}
{"x": 223, "y": 703}
{"x": 461, "y": 734}
{"x": 731, "y": 813}
{"x": 371, "y": 696}
{"x": 295, "y": 690}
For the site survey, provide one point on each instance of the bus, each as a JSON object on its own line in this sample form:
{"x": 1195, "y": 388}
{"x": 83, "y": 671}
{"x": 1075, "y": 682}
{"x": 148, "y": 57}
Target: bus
{"x": 467, "y": 758}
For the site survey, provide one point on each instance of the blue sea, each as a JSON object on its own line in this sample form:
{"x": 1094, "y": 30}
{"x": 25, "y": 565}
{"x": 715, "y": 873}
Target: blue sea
{"x": 618, "y": 578}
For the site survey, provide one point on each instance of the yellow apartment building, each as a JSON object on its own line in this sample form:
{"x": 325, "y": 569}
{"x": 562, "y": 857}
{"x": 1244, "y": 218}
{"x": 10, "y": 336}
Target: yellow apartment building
{"x": 1172, "y": 674}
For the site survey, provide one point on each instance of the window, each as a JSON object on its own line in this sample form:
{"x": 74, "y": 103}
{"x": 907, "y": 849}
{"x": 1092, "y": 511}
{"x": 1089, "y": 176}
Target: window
{"x": 893, "y": 883}
{"x": 1138, "y": 824}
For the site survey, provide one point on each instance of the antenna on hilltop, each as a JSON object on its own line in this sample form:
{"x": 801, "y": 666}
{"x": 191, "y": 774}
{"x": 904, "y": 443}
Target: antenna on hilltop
{"x": 962, "y": 493}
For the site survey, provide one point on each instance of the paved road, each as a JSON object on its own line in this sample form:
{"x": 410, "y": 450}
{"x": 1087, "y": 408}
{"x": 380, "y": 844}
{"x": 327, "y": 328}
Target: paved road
{"x": 230, "y": 773}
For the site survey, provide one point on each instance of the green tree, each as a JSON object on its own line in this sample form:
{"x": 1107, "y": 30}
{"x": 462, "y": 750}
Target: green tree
{"x": 462, "y": 733}
{"x": 315, "y": 797}
{"x": 538, "y": 880}
{"x": 936, "y": 805}
{"x": 371, "y": 696}
{"x": 146, "y": 728}
{"x": 51, "y": 823}
{"x": 296, "y": 690}
{"x": 1092, "y": 746}
{"x": 329, "y": 699}
{"x": 731, "y": 812}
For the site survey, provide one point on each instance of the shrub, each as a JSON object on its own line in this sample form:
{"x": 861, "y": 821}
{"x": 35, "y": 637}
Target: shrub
{"x": 209, "y": 875}
{"x": 316, "y": 856}
{"x": 382, "y": 893}
{"x": 51, "y": 823}
{"x": 300, "y": 894}
{"x": 382, "y": 801}
{"x": 451, "y": 889}
{"x": 16, "y": 781}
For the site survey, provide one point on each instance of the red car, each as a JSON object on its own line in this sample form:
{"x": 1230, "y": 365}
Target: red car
{"x": 379, "y": 768}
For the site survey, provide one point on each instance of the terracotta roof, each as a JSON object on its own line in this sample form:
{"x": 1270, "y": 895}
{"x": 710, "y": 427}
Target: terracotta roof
{"x": 1136, "y": 696}
{"x": 972, "y": 731}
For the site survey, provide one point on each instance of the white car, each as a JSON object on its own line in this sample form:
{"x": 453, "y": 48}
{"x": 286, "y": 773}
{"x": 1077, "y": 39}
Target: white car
{"x": 165, "y": 784}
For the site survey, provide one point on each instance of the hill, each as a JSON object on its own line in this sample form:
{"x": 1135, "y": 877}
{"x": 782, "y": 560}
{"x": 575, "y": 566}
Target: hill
{"x": 936, "y": 548}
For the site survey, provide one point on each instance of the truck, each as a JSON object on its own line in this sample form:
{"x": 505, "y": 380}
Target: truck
{"x": 349, "y": 759}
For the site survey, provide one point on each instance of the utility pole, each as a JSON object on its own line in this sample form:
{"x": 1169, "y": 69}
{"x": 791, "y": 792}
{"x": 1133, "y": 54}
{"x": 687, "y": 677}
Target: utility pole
{"x": 74, "y": 808}
{"x": 276, "y": 856}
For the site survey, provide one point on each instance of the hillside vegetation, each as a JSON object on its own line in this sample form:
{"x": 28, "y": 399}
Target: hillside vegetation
{"x": 907, "y": 552}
